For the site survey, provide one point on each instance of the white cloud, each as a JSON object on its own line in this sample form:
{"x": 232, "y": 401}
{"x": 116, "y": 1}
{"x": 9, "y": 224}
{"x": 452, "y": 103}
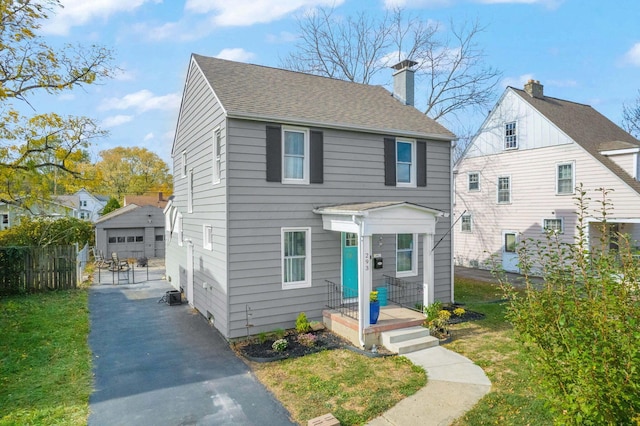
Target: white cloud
{"x": 116, "y": 120}
{"x": 227, "y": 13}
{"x": 632, "y": 57}
{"x": 236, "y": 54}
{"x": 141, "y": 101}
{"x": 148, "y": 137}
{"x": 282, "y": 37}
{"x": 80, "y": 12}
{"x": 551, "y": 4}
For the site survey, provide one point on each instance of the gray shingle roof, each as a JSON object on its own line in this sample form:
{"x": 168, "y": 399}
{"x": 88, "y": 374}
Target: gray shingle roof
{"x": 588, "y": 128}
{"x": 259, "y": 92}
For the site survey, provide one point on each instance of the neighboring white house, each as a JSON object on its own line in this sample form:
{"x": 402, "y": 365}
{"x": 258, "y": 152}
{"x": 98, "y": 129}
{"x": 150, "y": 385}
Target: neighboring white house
{"x": 85, "y": 204}
{"x": 285, "y": 181}
{"x": 518, "y": 177}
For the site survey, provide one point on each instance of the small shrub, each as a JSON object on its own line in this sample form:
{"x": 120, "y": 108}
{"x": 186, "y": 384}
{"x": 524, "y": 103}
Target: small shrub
{"x": 302, "y": 323}
{"x": 280, "y": 345}
{"x": 279, "y": 333}
{"x": 307, "y": 339}
{"x": 459, "y": 312}
{"x": 262, "y": 337}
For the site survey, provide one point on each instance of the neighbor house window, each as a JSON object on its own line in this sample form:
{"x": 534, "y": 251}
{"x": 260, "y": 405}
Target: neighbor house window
{"x": 217, "y": 149}
{"x": 83, "y": 203}
{"x": 295, "y": 155}
{"x": 565, "y": 179}
{"x": 553, "y": 225}
{"x": 474, "y": 181}
{"x": 159, "y": 238}
{"x": 504, "y": 190}
{"x": 405, "y": 163}
{"x": 296, "y": 257}
{"x": 184, "y": 164}
{"x": 112, "y": 240}
{"x": 122, "y": 240}
{"x": 466, "y": 223}
{"x": 406, "y": 255}
{"x": 190, "y": 192}
{"x": 139, "y": 238}
{"x": 510, "y": 136}
{"x": 207, "y": 237}
{"x": 4, "y": 221}
{"x": 131, "y": 239}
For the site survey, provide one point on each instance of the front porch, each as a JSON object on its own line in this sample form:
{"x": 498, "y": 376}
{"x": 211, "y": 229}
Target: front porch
{"x": 392, "y": 317}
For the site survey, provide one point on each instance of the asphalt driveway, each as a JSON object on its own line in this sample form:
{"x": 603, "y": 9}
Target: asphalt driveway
{"x": 156, "y": 364}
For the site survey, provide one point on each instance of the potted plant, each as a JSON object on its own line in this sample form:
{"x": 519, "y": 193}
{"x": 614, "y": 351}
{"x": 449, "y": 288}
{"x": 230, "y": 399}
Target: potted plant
{"x": 374, "y": 307}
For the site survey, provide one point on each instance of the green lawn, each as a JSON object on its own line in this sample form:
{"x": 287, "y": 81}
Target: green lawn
{"x": 490, "y": 343}
{"x": 45, "y": 361}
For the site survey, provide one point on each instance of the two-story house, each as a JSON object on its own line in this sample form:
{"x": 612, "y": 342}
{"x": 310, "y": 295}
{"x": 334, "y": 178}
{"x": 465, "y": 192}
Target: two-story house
{"x": 517, "y": 179}
{"x": 285, "y": 181}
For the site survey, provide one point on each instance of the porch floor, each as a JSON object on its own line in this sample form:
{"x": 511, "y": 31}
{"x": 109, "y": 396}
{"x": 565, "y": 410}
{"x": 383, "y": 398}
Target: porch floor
{"x": 392, "y": 317}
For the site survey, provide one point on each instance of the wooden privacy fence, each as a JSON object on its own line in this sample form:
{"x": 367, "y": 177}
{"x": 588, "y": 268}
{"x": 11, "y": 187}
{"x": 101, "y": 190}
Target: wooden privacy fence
{"x": 32, "y": 269}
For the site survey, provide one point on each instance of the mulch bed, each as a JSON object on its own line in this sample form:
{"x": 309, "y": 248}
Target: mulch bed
{"x": 257, "y": 351}
{"x": 468, "y": 315}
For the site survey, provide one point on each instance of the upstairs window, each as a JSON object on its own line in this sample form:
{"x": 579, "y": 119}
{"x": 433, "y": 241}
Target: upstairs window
{"x": 405, "y": 163}
{"x": 295, "y": 151}
{"x": 217, "y": 158}
{"x": 565, "y": 179}
{"x": 504, "y": 190}
{"x": 474, "y": 181}
{"x": 510, "y": 136}
{"x": 4, "y": 221}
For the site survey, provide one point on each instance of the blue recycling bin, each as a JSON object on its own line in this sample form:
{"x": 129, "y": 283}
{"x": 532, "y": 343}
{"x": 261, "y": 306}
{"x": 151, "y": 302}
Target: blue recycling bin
{"x": 382, "y": 295}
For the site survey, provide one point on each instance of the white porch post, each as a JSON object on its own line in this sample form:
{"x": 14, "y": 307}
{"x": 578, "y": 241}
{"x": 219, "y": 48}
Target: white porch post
{"x": 364, "y": 283}
{"x": 428, "y": 272}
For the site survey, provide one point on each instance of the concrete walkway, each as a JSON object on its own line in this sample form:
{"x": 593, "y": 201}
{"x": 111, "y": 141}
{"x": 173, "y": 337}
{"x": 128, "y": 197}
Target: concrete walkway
{"x": 454, "y": 386}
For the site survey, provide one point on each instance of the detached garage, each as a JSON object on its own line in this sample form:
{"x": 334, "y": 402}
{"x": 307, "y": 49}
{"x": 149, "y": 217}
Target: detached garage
{"x": 132, "y": 231}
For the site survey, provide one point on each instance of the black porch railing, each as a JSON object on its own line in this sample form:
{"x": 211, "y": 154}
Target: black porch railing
{"x": 404, "y": 293}
{"x": 344, "y": 300}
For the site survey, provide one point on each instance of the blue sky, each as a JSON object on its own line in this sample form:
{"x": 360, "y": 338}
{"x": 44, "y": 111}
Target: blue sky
{"x": 586, "y": 51}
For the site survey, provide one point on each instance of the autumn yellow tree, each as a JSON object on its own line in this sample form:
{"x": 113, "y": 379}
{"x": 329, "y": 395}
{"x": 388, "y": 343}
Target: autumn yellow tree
{"x": 35, "y": 149}
{"x": 132, "y": 170}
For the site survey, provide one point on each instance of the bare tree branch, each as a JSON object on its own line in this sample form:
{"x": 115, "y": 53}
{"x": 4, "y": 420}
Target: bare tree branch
{"x": 631, "y": 117}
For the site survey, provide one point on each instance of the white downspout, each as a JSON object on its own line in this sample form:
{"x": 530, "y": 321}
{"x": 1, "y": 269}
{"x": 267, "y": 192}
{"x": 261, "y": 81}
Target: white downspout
{"x": 451, "y": 220}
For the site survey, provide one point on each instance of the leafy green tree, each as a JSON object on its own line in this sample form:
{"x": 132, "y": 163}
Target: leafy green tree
{"x": 581, "y": 329}
{"x": 111, "y": 205}
{"x": 132, "y": 170}
{"x": 33, "y": 147}
{"x": 42, "y": 231}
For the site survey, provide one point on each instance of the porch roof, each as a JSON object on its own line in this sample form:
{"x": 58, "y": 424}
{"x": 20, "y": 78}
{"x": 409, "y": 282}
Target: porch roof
{"x": 379, "y": 217}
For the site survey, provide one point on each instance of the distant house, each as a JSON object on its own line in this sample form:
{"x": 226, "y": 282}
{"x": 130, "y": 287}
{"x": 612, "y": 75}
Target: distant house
{"x": 132, "y": 231}
{"x": 286, "y": 182}
{"x": 84, "y": 204}
{"x": 518, "y": 177}
{"x": 147, "y": 200}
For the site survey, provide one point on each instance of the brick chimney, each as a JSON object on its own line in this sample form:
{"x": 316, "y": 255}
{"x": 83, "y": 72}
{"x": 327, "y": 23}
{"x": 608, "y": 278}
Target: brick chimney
{"x": 534, "y": 89}
{"x": 403, "y": 81}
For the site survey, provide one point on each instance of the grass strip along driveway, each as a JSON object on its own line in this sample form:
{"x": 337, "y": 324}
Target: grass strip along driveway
{"x": 45, "y": 361}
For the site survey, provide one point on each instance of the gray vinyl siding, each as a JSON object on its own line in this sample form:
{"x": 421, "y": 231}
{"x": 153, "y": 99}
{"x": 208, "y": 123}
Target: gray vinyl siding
{"x": 257, "y": 210}
{"x": 200, "y": 115}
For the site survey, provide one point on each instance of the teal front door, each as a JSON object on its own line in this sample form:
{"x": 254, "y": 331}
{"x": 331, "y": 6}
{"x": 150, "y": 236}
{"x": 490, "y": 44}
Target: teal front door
{"x": 349, "y": 265}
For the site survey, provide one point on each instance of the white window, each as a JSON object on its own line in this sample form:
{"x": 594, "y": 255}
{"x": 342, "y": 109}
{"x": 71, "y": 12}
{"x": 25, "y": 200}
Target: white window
{"x": 553, "y": 225}
{"x": 207, "y": 237}
{"x": 180, "y": 230}
{"x": 510, "y": 136}
{"x": 190, "y": 192}
{"x": 217, "y": 149}
{"x": 295, "y": 155}
{"x": 406, "y": 255}
{"x": 565, "y": 179}
{"x": 466, "y": 223}
{"x": 83, "y": 203}
{"x": 474, "y": 181}
{"x": 405, "y": 163}
{"x": 504, "y": 190}
{"x": 296, "y": 257}
{"x": 4, "y": 221}
{"x": 184, "y": 164}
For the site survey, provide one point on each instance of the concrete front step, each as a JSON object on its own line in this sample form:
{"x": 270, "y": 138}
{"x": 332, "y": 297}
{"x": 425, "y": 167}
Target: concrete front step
{"x": 408, "y": 340}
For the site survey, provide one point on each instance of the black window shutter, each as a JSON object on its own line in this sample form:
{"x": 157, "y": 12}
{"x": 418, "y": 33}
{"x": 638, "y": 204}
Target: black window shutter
{"x": 421, "y": 159}
{"x": 274, "y": 153}
{"x": 316, "y": 161}
{"x": 390, "y": 161}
